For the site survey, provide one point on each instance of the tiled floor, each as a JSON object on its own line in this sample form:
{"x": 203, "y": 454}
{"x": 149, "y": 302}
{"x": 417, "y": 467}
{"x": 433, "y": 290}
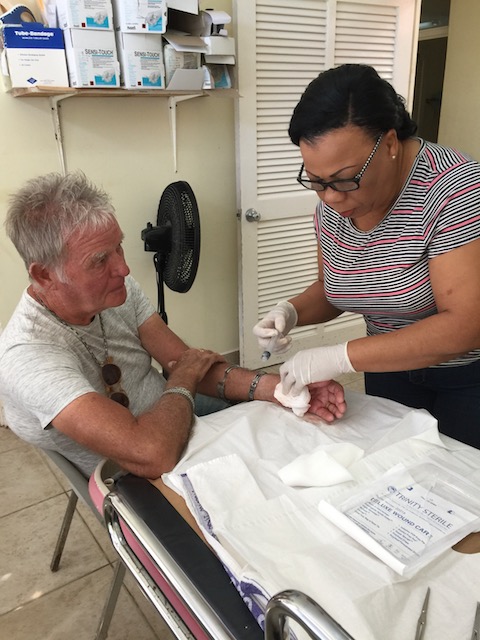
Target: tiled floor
{"x": 36, "y": 604}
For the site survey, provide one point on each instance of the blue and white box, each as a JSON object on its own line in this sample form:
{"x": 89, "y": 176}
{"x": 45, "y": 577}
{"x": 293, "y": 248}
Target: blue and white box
{"x": 92, "y": 58}
{"x": 85, "y": 14}
{"x": 33, "y": 55}
{"x": 141, "y": 60}
{"x": 140, "y": 16}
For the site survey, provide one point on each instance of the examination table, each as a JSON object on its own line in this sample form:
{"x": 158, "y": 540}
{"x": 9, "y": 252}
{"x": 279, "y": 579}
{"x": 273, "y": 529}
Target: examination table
{"x": 270, "y": 550}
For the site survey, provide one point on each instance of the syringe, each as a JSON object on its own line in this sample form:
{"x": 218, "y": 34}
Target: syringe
{"x": 268, "y": 351}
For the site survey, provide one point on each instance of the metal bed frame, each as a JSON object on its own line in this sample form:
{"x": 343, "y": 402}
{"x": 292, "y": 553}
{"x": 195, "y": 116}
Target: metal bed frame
{"x": 184, "y": 579}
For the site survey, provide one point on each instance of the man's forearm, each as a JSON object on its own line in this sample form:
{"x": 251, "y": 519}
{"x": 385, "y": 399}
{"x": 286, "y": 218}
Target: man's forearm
{"x": 236, "y": 384}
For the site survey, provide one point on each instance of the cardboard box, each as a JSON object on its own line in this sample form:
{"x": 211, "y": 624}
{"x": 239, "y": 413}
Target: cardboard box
{"x": 34, "y": 55}
{"x": 141, "y": 60}
{"x": 183, "y": 69}
{"x": 205, "y": 23}
{"x": 140, "y": 16}
{"x": 221, "y": 50}
{"x": 85, "y": 14}
{"x": 190, "y": 6}
{"x": 218, "y": 77}
{"x": 92, "y": 58}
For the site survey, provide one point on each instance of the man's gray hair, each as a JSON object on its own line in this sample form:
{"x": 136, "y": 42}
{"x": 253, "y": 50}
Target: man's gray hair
{"x": 45, "y": 212}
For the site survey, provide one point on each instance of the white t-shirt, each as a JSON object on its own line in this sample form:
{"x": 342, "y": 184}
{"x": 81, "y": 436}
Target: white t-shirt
{"x": 44, "y": 366}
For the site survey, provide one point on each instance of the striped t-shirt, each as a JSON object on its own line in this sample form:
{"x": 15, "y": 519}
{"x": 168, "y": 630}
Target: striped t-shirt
{"x": 383, "y": 273}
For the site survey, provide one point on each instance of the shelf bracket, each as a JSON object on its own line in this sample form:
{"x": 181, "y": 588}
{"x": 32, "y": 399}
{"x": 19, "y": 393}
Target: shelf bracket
{"x": 172, "y": 111}
{"x": 57, "y": 127}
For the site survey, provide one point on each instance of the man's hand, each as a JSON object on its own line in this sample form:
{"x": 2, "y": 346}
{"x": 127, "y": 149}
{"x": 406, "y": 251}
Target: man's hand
{"x": 192, "y": 366}
{"x": 327, "y": 400}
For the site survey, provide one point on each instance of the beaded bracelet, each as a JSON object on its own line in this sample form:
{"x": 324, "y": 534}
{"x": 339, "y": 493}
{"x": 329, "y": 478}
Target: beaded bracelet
{"x": 254, "y": 384}
{"x": 221, "y": 385}
{"x": 181, "y": 391}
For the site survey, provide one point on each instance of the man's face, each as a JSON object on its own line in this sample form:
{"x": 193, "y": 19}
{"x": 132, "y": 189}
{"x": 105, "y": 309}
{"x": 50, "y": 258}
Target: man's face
{"x": 93, "y": 275}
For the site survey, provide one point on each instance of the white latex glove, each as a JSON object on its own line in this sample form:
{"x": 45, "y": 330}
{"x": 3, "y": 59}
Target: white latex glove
{"x": 314, "y": 365}
{"x": 272, "y": 331}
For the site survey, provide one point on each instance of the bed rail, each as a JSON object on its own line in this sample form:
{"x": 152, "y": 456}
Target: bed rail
{"x": 306, "y": 612}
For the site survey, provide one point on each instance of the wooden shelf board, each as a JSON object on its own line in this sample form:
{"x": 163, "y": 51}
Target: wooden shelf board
{"x": 49, "y": 92}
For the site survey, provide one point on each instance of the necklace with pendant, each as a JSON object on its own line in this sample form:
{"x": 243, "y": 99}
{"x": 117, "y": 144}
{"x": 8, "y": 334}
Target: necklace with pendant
{"x": 110, "y": 372}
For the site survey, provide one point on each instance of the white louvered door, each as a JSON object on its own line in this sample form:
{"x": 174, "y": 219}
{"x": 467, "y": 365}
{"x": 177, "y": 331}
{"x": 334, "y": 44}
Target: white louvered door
{"x": 282, "y": 46}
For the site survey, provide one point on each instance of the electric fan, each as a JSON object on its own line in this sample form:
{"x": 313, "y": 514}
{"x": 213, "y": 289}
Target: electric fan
{"x": 175, "y": 240}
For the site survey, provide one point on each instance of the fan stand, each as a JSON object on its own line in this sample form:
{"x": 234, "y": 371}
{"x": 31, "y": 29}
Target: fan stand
{"x": 157, "y": 261}
{"x": 159, "y": 239}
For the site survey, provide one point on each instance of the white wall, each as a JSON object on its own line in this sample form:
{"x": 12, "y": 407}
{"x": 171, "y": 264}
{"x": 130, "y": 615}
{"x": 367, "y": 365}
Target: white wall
{"x": 124, "y": 144}
{"x": 460, "y": 114}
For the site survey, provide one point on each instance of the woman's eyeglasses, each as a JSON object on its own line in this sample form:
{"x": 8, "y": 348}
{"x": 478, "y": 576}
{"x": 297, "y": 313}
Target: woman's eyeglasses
{"x": 111, "y": 376}
{"x": 343, "y": 185}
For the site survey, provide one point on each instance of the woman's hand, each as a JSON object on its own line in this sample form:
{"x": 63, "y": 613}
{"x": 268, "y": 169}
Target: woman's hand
{"x": 327, "y": 400}
{"x": 314, "y": 365}
{"x": 271, "y": 331}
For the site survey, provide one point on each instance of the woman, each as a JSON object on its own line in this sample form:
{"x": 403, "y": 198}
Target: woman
{"x": 398, "y": 225}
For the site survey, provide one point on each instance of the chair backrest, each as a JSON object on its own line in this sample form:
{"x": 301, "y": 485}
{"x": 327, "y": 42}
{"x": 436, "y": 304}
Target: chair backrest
{"x": 79, "y": 485}
{"x": 77, "y": 480}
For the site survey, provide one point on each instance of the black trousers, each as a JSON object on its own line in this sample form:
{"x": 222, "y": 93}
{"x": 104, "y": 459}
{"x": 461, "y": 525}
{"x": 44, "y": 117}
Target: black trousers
{"x": 450, "y": 394}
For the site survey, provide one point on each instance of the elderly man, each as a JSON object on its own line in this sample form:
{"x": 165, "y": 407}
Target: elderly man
{"x": 75, "y": 359}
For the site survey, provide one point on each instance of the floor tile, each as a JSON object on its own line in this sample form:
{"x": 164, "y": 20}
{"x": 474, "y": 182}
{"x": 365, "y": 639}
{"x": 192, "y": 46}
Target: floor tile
{"x": 27, "y": 541}
{"x": 96, "y": 528}
{"x": 356, "y": 383}
{"x": 8, "y": 440}
{"x": 59, "y": 475}
{"x": 25, "y": 479}
{"x": 151, "y": 614}
{"x": 351, "y": 380}
{"x": 98, "y": 531}
{"x": 73, "y": 613}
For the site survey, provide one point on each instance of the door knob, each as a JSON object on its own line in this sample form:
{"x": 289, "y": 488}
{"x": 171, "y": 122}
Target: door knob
{"x": 252, "y": 216}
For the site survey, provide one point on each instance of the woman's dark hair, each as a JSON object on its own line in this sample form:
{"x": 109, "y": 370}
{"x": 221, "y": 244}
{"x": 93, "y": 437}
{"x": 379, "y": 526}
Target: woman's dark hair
{"x": 350, "y": 94}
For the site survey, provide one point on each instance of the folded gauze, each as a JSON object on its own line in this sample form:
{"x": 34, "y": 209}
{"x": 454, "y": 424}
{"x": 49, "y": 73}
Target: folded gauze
{"x": 325, "y": 466}
{"x": 298, "y": 404}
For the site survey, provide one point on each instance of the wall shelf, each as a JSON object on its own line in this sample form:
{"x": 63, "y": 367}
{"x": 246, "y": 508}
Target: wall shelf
{"x": 57, "y": 94}
{"x": 67, "y": 92}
